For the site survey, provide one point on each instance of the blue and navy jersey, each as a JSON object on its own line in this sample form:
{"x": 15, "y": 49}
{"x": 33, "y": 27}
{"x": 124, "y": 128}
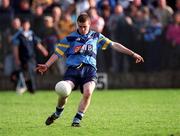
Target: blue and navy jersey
{"x": 79, "y": 48}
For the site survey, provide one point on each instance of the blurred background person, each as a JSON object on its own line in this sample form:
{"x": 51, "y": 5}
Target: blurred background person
{"x": 151, "y": 36}
{"x": 104, "y": 57}
{"x": 105, "y": 12}
{"x": 81, "y": 6}
{"x": 24, "y": 42}
{"x": 177, "y": 5}
{"x": 141, "y": 19}
{"x": 9, "y": 66}
{"x": 24, "y": 10}
{"x": 173, "y": 37}
{"x": 49, "y": 34}
{"x": 6, "y": 15}
{"x": 65, "y": 25}
{"x": 163, "y": 12}
{"x": 57, "y": 15}
{"x": 43, "y": 3}
{"x": 38, "y": 20}
{"x": 1, "y": 56}
{"x": 97, "y": 22}
{"x": 119, "y": 31}
{"x": 66, "y": 4}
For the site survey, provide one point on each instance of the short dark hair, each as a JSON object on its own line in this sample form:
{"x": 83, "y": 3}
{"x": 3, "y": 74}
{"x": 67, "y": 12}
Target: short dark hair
{"x": 83, "y": 17}
{"x": 24, "y": 20}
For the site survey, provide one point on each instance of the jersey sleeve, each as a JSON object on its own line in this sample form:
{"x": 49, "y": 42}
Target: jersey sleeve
{"x": 103, "y": 42}
{"x": 61, "y": 47}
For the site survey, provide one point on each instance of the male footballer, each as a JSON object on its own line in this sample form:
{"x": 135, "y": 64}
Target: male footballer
{"x": 80, "y": 49}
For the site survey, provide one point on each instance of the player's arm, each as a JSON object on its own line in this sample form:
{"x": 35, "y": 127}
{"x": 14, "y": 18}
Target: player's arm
{"x": 44, "y": 67}
{"x": 120, "y": 48}
{"x": 60, "y": 50}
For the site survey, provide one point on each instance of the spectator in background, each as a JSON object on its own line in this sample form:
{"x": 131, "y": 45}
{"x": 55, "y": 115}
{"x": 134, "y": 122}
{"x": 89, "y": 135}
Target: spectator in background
{"x": 125, "y": 3}
{"x": 65, "y": 25}
{"x": 137, "y": 3}
{"x": 49, "y": 34}
{"x": 173, "y": 36}
{"x": 57, "y": 15}
{"x": 38, "y": 20}
{"x": 81, "y": 6}
{"x": 65, "y": 4}
{"x": 152, "y": 44}
{"x": 163, "y": 12}
{"x": 48, "y": 10}
{"x": 9, "y": 66}
{"x": 106, "y": 13}
{"x": 43, "y": 3}
{"x": 97, "y": 22}
{"x": 72, "y": 12}
{"x": 132, "y": 12}
{"x": 92, "y": 3}
{"x": 141, "y": 20}
{"x": 118, "y": 13}
{"x": 116, "y": 23}
{"x": 1, "y": 54}
{"x": 104, "y": 57}
{"x": 24, "y": 10}
{"x": 177, "y": 5}
{"x": 6, "y": 15}
{"x": 24, "y": 42}
{"x": 38, "y": 28}
{"x": 134, "y": 4}
{"x": 111, "y": 3}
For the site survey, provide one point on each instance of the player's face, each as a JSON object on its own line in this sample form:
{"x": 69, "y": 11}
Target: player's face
{"x": 84, "y": 27}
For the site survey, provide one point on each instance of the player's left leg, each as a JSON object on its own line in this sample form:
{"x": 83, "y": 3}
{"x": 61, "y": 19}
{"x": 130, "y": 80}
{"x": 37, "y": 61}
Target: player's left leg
{"x": 60, "y": 106}
{"x": 88, "y": 89}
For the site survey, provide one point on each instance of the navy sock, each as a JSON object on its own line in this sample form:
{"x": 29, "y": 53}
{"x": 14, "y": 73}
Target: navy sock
{"x": 78, "y": 117}
{"x": 58, "y": 111}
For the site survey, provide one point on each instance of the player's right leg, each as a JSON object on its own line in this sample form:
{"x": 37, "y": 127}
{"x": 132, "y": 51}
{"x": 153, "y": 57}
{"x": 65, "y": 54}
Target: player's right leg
{"x": 60, "y": 107}
{"x": 88, "y": 89}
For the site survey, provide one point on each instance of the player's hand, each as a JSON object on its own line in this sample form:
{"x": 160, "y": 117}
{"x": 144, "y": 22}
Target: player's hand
{"x": 41, "y": 68}
{"x": 138, "y": 58}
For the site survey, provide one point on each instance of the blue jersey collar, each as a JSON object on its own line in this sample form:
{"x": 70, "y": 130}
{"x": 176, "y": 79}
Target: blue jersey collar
{"x": 84, "y": 34}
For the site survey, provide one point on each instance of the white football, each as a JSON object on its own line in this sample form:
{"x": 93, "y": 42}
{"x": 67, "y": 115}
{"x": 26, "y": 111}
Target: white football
{"x": 63, "y": 88}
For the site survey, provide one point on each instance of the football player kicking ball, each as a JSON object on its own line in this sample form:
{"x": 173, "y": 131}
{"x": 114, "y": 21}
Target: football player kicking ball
{"x": 80, "y": 49}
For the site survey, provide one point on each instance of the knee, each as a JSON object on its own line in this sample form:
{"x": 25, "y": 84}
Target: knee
{"x": 87, "y": 93}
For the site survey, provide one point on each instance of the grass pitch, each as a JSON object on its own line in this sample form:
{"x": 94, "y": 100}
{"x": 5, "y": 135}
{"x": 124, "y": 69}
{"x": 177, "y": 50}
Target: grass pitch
{"x": 111, "y": 113}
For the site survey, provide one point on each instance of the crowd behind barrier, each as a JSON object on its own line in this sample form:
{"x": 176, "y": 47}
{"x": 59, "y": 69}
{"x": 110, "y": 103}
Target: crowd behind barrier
{"x": 149, "y": 27}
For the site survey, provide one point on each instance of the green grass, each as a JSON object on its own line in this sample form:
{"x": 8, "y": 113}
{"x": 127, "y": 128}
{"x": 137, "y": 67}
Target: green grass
{"x": 111, "y": 113}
